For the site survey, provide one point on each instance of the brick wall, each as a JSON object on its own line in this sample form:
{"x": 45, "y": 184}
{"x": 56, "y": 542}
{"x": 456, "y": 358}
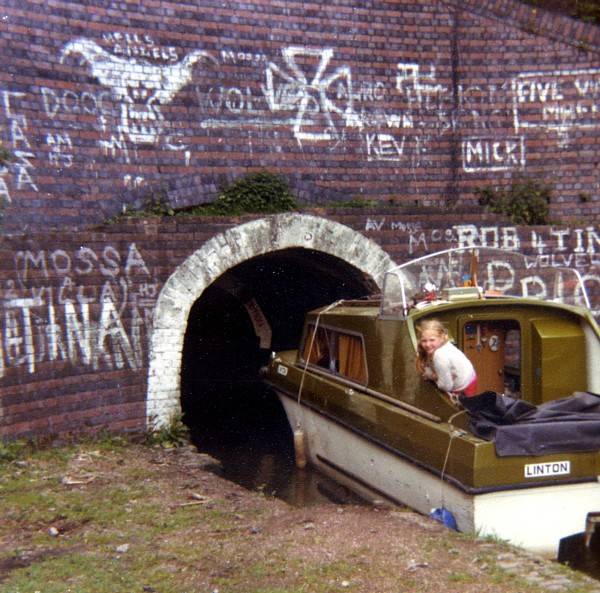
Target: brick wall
{"x": 418, "y": 103}
{"x": 106, "y": 105}
{"x": 78, "y": 308}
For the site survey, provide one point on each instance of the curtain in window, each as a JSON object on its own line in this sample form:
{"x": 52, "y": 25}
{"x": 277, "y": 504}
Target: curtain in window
{"x": 319, "y": 353}
{"x": 351, "y": 358}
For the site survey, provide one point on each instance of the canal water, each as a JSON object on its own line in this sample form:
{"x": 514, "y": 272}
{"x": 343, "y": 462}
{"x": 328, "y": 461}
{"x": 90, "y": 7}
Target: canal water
{"x": 253, "y": 445}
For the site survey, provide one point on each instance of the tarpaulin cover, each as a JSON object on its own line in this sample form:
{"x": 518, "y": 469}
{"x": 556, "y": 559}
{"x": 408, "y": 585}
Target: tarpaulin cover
{"x": 570, "y": 424}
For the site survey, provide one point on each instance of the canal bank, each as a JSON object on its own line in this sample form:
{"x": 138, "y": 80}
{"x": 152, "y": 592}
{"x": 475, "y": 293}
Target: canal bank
{"x": 121, "y": 517}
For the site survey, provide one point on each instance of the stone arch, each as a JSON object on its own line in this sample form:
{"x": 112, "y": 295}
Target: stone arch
{"x": 216, "y": 256}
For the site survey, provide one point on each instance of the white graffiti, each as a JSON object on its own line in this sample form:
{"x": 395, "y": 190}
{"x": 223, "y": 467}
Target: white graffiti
{"x": 134, "y": 45}
{"x": 493, "y": 154}
{"x": 4, "y": 191}
{"x": 20, "y": 147}
{"x": 396, "y": 225}
{"x": 308, "y": 92}
{"x": 384, "y": 147}
{"x": 582, "y": 242}
{"x": 486, "y": 107}
{"x": 577, "y": 248}
{"x": 558, "y": 101}
{"x": 116, "y": 146}
{"x": 229, "y": 56}
{"x": 56, "y": 309}
{"x": 140, "y": 86}
{"x": 234, "y": 100}
{"x": 418, "y": 88}
{"x": 56, "y": 102}
{"x": 555, "y": 247}
{"x": 317, "y": 96}
{"x": 304, "y": 94}
{"x": 322, "y": 105}
{"x": 60, "y": 150}
{"x": 133, "y": 181}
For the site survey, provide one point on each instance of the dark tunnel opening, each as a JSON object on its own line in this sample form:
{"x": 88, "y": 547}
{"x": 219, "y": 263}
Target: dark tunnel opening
{"x": 251, "y": 310}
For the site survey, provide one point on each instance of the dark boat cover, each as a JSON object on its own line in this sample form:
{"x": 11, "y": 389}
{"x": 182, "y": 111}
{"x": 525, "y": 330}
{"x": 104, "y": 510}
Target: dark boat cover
{"x": 517, "y": 427}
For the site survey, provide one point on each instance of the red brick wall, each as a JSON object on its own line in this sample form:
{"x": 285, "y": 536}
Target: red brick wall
{"x": 57, "y": 379}
{"x": 418, "y": 103}
{"x": 105, "y": 105}
{"x": 63, "y": 294}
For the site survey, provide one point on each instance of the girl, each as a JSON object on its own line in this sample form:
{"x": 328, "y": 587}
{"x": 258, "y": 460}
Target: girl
{"x": 442, "y": 362}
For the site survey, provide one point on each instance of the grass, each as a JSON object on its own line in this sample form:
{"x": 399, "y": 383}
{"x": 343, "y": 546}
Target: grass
{"x": 78, "y": 572}
{"x": 115, "y": 517}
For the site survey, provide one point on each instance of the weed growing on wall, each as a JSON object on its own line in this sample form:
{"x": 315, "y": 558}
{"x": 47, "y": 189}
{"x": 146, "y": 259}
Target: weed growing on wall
{"x": 523, "y": 202}
{"x": 585, "y": 10}
{"x": 256, "y": 192}
{"x": 173, "y": 435}
{"x": 263, "y": 192}
{"x": 157, "y": 204}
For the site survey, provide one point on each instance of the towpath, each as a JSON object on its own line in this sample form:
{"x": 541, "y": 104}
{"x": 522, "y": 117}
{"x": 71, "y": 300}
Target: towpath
{"x": 119, "y": 517}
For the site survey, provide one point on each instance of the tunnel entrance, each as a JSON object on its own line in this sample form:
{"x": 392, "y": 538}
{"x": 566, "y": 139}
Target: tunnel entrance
{"x": 254, "y": 308}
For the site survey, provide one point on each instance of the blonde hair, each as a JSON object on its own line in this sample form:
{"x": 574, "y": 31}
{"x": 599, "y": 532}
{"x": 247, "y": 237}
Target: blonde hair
{"x": 436, "y": 326}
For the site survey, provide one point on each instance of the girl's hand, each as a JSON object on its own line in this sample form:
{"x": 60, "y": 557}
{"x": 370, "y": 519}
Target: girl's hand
{"x": 454, "y": 398}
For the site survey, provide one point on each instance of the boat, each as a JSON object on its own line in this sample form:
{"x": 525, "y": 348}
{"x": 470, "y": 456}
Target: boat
{"x": 365, "y": 417}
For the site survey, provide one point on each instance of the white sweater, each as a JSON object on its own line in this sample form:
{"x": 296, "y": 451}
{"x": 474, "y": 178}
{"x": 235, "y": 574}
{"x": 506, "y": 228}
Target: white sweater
{"x": 453, "y": 369}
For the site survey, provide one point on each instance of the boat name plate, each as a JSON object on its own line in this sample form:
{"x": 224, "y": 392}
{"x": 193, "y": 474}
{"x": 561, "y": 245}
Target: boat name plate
{"x": 554, "y": 468}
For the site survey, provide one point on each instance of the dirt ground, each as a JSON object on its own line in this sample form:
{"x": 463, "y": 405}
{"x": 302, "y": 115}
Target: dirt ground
{"x": 128, "y": 518}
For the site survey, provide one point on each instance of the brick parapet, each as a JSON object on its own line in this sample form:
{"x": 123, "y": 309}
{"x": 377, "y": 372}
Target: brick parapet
{"x": 415, "y": 104}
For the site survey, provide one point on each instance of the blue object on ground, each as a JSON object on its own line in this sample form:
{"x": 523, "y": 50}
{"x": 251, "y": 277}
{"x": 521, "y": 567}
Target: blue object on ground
{"x": 443, "y": 515}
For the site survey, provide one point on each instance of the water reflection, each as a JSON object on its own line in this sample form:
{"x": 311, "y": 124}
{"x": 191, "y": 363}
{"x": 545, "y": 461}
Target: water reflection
{"x": 249, "y": 435}
{"x": 275, "y": 474}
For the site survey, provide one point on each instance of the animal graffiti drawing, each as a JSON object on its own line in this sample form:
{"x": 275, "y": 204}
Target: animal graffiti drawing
{"x": 140, "y": 86}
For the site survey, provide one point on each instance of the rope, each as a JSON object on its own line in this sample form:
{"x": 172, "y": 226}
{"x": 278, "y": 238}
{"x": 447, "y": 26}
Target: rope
{"x": 310, "y": 347}
{"x": 453, "y": 433}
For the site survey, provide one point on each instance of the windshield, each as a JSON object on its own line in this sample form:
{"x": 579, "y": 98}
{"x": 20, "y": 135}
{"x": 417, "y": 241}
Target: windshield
{"x": 482, "y": 272}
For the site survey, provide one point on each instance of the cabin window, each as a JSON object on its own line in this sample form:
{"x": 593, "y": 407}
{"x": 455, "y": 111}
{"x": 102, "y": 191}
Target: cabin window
{"x": 336, "y": 351}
